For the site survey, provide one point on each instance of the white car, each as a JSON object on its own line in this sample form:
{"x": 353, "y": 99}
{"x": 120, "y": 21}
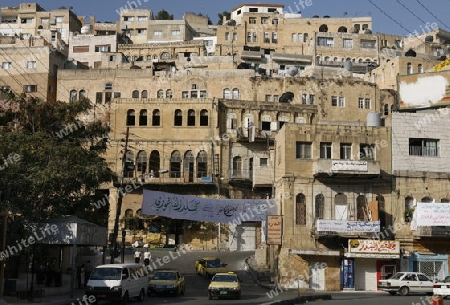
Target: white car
{"x": 405, "y": 283}
{"x": 442, "y": 288}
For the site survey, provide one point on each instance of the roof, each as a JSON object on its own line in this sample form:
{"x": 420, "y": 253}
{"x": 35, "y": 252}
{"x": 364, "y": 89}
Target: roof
{"x": 259, "y": 5}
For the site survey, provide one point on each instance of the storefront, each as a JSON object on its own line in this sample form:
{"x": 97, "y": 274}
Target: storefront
{"x": 435, "y": 266}
{"x": 366, "y": 261}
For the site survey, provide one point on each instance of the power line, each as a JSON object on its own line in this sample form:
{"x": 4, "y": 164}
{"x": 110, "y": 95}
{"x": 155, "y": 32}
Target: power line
{"x": 412, "y": 13}
{"x": 431, "y": 13}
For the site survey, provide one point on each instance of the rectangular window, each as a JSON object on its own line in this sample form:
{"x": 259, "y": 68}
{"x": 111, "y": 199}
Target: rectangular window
{"x": 312, "y": 99}
{"x": 176, "y": 32}
{"x": 325, "y": 150}
{"x": 346, "y": 151}
{"x": 59, "y": 18}
{"x": 185, "y": 94}
{"x": 112, "y": 58}
{"x": 29, "y": 88}
{"x": 268, "y": 98}
{"x": 325, "y": 42}
{"x": 249, "y": 37}
{"x": 367, "y": 103}
{"x": 275, "y": 21}
{"x": 361, "y": 103}
{"x": 263, "y": 161}
{"x": 194, "y": 94}
{"x": 255, "y": 37}
{"x": 234, "y": 37}
{"x": 27, "y": 20}
{"x": 128, "y": 18}
{"x": 274, "y": 37}
{"x": 31, "y": 64}
{"x": 366, "y": 152}
{"x": 252, "y": 20}
{"x": 6, "y": 65}
{"x": 103, "y": 48}
{"x": 45, "y": 20}
{"x": 368, "y": 44}
{"x": 227, "y": 35}
{"x": 334, "y": 101}
{"x": 264, "y": 20}
{"x": 80, "y": 49}
{"x": 294, "y": 37}
{"x": 424, "y": 147}
{"x": 341, "y": 101}
{"x": 303, "y": 150}
{"x": 203, "y": 94}
{"x": 347, "y": 43}
{"x": 142, "y": 18}
{"x": 276, "y": 98}
{"x": 265, "y": 125}
{"x": 304, "y": 98}
{"x": 117, "y": 94}
{"x": 157, "y": 33}
{"x": 108, "y": 97}
{"x": 142, "y": 31}
{"x": 99, "y": 97}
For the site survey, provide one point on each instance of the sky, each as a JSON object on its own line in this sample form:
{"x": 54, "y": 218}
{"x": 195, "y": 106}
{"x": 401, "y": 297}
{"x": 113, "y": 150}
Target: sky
{"x": 399, "y": 17}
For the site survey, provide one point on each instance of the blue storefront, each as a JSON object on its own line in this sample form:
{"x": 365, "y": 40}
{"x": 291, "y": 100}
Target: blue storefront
{"x": 434, "y": 266}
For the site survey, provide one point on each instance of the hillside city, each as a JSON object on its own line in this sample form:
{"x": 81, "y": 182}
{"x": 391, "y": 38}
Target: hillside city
{"x": 331, "y": 140}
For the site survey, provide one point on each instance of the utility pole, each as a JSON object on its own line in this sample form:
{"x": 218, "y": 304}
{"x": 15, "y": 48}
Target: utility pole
{"x": 119, "y": 200}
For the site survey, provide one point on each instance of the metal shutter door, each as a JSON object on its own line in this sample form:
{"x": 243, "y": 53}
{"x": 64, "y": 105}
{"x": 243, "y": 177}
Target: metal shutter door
{"x": 365, "y": 274}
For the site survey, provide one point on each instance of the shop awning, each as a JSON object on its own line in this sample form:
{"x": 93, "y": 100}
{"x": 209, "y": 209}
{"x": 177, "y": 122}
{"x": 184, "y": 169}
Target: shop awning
{"x": 315, "y": 252}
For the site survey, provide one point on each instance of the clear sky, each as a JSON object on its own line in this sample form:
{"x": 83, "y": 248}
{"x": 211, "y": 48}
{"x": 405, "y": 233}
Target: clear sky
{"x": 400, "y": 17}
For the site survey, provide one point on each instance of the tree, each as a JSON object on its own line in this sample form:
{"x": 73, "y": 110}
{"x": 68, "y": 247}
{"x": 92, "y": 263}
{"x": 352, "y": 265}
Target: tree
{"x": 163, "y": 15}
{"x": 221, "y": 15}
{"x": 51, "y": 161}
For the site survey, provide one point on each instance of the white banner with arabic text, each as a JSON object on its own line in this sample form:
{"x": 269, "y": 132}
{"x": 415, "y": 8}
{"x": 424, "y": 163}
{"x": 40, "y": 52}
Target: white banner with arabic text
{"x": 432, "y": 214}
{"x": 187, "y": 207}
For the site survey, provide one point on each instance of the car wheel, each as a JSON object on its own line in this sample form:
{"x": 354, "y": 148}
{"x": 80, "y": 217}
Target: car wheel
{"x": 141, "y": 296}
{"x": 392, "y": 292}
{"x": 403, "y": 290}
{"x": 125, "y": 298}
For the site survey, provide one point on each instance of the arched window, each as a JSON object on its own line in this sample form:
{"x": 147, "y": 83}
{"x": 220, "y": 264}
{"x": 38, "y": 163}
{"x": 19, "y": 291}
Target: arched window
{"x": 73, "y": 96}
{"x": 178, "y": 118}
{"x": 160, "y": 94}
{"x": 362, "y": 212}
{"x": 320, "y": 206}
{"x": 82, "y": 94}
{"x": 142, "y": 162}
{"x": 135, "y": 94}
{"x": 202, "y": 164}
{"x": 188, "y": 166}
{"x": 340, "y": 207}
{"x": 237, "y": 167}
{"x": 382, "y": 212}
{"x": 323, "y": 28}
{"x": 131, "y": 117}
{"x": 154, "y": 164}
{"x": 143, "y": 117}
{"x": 128, "y": 213}
{"x": 169, "y": 93}
{"x": 204, "y": 117}
{"x": 129, "y": 164}
{"x": 165, "y": 55}
{"x": 149, "y": 58}
{"x": 305, "y": 37}
{"x": 409, "y": 69}
{"x": 300, "y": 209}
{"x": 419, "y": 68}
{"x": 191, "y": 117}
{"x": 156, "y": 118}
{"x": 386, "y": 109}
{"x": 226, "y": 93}
{"x": 409, "y": 208}
{"x": 427, "y": 199}
{"x": 235, "y": 94}
{"x": 175, "y": 164}
{"x": 342, "y": 29}
{"x": 144, "y": 94}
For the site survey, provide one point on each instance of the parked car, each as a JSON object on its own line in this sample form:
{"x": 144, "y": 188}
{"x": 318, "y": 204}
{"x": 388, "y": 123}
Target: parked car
{"x": 405, "y": 283}
{"x": 209, "y": 266}
{"x": 442, "y": 288}
{"x": 225, "y": 285}
{"x": 118, "y": 282}
{"x": 167, "y": 281}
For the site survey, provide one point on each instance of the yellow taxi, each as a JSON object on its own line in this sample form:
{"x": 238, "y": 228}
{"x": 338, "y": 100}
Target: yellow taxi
{"x": 168, "y": 281}
{"x": 225, "y": 285}
{"x": 209, "y": 266}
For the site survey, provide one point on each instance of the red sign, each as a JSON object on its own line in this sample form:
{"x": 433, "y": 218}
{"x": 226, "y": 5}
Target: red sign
{"x": 274, "y": 229}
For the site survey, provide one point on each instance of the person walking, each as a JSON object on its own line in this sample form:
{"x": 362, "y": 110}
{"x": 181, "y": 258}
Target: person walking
{"x": 137, "y": 256}
{"x": 147, "y": 257}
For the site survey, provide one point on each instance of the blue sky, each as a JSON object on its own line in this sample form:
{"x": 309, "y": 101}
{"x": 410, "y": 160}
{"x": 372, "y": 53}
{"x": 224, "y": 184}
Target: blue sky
{"x": 410, "y": 15}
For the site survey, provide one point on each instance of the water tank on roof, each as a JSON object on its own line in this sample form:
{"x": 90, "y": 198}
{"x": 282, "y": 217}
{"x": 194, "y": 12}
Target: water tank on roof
{"x": 373, "y": 119}
{"x": 86, "y": 29}
{"x": 348, "y": 65}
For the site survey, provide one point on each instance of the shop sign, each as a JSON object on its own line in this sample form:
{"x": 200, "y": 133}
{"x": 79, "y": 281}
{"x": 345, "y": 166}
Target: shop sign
{"x": 373, "y": 246}
{"x": 274, "y": 229}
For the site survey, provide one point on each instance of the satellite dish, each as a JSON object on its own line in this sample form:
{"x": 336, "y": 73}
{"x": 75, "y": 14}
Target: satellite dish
{"x": 293, "y": 71}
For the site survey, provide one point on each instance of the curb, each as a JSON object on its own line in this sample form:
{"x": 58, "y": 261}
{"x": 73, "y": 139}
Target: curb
{"x": 304, "y": 299}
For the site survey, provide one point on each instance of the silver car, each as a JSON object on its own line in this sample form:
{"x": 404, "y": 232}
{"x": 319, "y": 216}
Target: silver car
{"x": 405, "y": 283}
{"x": 442, "y": 288}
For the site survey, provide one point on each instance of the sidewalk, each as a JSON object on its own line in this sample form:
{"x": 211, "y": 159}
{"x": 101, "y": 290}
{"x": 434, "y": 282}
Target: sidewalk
{"x": 56, "y": 299}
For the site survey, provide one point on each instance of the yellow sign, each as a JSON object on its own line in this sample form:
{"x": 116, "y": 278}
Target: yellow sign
{"x": 442, "y": 65}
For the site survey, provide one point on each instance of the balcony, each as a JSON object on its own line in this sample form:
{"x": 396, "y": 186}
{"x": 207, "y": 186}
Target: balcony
{"x": 428, "y": 231}
{"x": 332, "y": 167}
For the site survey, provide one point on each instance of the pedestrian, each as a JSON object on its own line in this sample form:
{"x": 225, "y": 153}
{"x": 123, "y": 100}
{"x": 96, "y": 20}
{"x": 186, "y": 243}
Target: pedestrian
{"x": 137, "y": 256}
{"x": 88, "y": 268}
{"x": 147, "y": 257}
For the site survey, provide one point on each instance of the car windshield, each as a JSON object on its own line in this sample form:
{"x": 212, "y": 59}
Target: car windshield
{"x": 397, "y": 276}
{"x": 165, "y": 276}
{"x": 225, "y": 278}
{"x": 106, "y": 274}
{"x": 213, "y": 263}
{"x": 447, "y": 279}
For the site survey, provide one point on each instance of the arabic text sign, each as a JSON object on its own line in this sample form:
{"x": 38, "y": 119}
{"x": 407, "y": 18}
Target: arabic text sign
{"x": 207, "y": 209}
{"x": 433, "y": 214}
{"x": 274, "y": 229}
{"x": 326, "y": 225}
{"x": 343, "y": 165}
{"x": 373, "y": 246}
